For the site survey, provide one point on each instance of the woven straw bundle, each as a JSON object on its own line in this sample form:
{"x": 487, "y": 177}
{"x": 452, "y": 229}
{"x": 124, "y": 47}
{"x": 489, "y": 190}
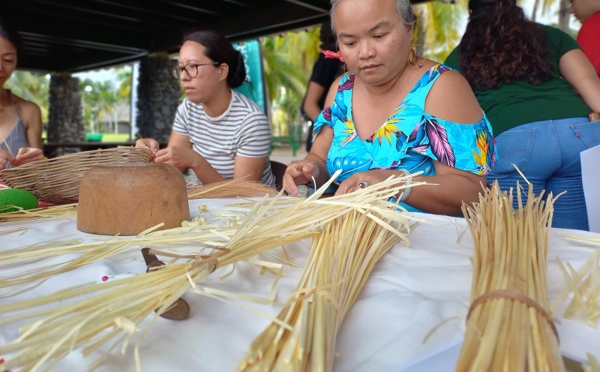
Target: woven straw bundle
{"x": 57, "y": 180}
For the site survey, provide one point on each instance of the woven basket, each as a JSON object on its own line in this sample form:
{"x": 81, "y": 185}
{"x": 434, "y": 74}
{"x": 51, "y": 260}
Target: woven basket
{"x": 57, "y": 180}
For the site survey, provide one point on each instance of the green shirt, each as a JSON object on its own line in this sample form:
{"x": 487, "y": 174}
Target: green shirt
{"x": 518, "y": 102}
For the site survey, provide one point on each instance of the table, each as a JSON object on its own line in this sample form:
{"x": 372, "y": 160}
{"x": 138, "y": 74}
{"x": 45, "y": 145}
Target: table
{"x": 411, "y": 290}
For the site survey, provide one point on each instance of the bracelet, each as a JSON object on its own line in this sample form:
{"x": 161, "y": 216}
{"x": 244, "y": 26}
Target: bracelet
{"x": 408, "y": 182}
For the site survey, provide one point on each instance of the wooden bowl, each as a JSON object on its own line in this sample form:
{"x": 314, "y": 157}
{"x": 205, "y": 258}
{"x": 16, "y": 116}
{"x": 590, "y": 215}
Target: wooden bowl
{"x": 127, "y": 199}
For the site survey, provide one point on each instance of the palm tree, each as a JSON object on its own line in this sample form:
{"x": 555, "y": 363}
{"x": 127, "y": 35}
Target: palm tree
{"x": 437, "y": 29}
{"x": 98, "y": 101}
{"x": 103, "y": 101}
{"x": 287, "y": 63}
{"x": 32, "y": 87}
{"x": 123, "y": 93}
{"x": 124, "y": 76}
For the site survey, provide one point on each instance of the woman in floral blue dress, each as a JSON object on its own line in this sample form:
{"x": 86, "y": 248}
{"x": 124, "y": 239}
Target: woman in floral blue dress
{"x": 395, "y": 113}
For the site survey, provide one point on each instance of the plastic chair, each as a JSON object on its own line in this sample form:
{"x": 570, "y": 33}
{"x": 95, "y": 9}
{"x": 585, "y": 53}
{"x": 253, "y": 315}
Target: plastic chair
{"x": 278, "y": 170}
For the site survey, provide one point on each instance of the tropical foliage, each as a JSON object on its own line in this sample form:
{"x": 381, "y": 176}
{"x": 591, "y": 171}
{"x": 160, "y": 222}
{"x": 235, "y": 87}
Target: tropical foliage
{"x": 102, "y": 101}
{"x": 439, "y": 28}
{"x": 441, "y": 23}
{"x": 105, "y": 102}
{"x": 31, "y": 86}
{"x": 287, "y": 63}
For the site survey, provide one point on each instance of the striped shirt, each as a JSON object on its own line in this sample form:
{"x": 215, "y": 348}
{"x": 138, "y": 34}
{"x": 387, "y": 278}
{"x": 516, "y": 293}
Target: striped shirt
{"x": 243, "y": 129}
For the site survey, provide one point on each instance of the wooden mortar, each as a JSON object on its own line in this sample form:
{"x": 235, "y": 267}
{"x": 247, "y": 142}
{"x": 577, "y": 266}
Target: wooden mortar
{"x": 127, "y": 199}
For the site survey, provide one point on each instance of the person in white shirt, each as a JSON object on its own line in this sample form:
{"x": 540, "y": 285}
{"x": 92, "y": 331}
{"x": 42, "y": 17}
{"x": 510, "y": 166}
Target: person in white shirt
{"x": 218, "y": 133}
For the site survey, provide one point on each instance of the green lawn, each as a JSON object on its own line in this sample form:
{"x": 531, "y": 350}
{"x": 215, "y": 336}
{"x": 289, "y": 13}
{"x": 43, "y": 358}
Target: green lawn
{"x": 115, "y": 137}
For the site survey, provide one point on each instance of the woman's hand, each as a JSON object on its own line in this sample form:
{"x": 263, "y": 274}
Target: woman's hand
{"x": 446, "y": 192}
{"x": 27, "y": 155}
{"x": 299, "y": 172}
{"x": 148, "y": 143}
{"x": 178, "y": 156}
{"x": 371, "y": 177}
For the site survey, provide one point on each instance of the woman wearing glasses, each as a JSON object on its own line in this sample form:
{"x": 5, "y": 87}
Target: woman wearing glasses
{"x": 218, "y": 133}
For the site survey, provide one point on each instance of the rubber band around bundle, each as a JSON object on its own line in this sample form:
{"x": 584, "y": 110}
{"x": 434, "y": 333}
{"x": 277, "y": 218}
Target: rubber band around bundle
{"x": 211, "y": 261}
{"x": 516, "y": 296}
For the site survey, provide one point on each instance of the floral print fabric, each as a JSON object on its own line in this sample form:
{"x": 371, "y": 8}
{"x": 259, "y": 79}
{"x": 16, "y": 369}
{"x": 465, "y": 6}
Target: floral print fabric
{"x": 409, "y": 139}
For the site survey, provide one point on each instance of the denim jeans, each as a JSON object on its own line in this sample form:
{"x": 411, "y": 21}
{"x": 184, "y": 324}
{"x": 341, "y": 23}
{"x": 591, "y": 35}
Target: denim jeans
{"x": 547, "y": 152}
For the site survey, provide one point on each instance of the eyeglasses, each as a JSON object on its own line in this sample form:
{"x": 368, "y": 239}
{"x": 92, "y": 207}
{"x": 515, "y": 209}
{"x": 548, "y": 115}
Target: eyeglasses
{"x": 191, "y": 69}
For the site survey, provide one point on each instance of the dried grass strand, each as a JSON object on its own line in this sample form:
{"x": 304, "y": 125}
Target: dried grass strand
{"x": 341, "y": 259}
{"x": 583, "y": 286}
{"x": 231, "y": 189}
{"x": 92, "y": 310}
{"x": 63, "y": 211}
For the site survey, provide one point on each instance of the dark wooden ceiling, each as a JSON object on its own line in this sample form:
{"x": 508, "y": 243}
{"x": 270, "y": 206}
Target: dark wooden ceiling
{"x": 78, "y": 35}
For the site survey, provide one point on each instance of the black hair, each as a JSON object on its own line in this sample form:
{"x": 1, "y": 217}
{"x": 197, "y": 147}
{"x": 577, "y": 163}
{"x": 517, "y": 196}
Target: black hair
{"x": 327, "y": 37}
{"x": 500, "y": 45}
{"x": 219, "y": 49}
{"x": 8, "y": 32}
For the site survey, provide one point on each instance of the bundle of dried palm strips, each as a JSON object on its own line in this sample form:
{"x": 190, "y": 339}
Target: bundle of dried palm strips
{"x": 341, "y": 260}
{"x": 509, "y": 324}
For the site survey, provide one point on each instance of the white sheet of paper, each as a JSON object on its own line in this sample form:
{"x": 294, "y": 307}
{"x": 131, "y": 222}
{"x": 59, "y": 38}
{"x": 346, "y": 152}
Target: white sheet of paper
{"x": 591, "y": 180}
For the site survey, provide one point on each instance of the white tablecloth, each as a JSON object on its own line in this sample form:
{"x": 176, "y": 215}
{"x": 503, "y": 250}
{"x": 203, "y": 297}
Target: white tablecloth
{"x": 411, "y": 290}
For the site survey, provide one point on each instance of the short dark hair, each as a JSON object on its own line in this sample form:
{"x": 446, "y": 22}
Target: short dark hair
{"x": 219, "y": 49}
{"x": 8, "y": 32}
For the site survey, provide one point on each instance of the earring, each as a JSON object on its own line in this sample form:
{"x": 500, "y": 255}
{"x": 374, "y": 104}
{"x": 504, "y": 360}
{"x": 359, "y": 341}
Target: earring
{"x": 412, "y": 57}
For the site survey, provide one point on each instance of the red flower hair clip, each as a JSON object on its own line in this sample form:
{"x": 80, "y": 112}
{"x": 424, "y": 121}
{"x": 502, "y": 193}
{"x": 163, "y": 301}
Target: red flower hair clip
{"x": 331, "y": 54}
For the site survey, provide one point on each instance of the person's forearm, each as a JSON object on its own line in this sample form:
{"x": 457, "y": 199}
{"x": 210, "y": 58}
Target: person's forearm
{"x": 590, "y": 93}
{"x": 205, "y": 172}
{"x": 311, "y": 100}
{"x": 444, "y": 194}
{"x": 312, "y": 111}
{"x": 36, "y": 142}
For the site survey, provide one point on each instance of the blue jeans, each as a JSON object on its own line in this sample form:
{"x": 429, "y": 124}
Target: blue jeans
{"x": 547, "y": 152}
